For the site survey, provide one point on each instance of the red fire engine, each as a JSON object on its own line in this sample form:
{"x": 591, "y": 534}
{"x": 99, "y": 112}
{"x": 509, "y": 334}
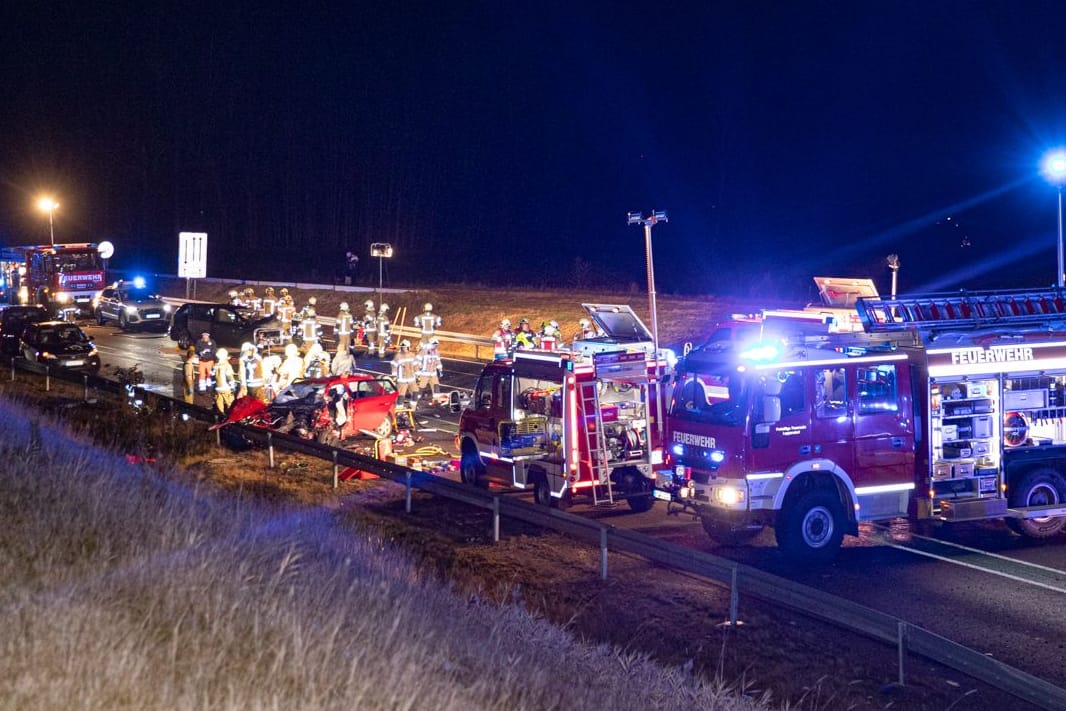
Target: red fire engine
{"x": 950, "y": 408}
{"x": 63, "y": 278}
{"x": 578, "y": 422}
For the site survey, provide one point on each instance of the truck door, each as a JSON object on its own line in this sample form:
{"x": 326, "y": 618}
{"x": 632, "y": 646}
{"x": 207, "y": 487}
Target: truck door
{"x": 781, "y": 421}
{"x": 492, "y": 405}
{"x": 884, "y": 430}
{"x": 832, "y": 427}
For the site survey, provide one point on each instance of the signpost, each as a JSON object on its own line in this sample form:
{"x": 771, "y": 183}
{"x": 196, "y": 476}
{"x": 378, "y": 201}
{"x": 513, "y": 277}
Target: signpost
{"x": 192, "y": 257}
{"x": 106, "y": 250}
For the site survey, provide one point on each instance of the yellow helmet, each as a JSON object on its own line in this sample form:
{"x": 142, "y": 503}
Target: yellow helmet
{"x": 291, "y": 350}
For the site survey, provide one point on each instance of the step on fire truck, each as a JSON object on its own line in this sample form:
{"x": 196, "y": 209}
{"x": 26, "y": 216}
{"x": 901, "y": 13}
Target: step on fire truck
{"x": 63, "y": 278}
{"x": 571, "y": 423}
{"x": 942, "y": 407}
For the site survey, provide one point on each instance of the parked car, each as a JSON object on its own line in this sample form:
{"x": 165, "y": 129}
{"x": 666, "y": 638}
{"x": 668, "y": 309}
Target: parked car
{"x": 131, "y": 306}
{"x": 325, "y": 409}
{"x": 13, "y": 321}
{"x": 59, "y": 344}
{"x": 229, "y": 326}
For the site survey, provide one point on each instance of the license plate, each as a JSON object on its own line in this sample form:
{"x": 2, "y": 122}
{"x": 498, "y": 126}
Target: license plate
{"x": 73, "y": 363}
{"x": 662, "y": 495}
{"x": 151, "y": 315}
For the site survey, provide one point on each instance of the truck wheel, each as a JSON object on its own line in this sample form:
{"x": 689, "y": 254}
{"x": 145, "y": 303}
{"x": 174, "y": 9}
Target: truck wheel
{"x": 812, "y": 527}
{"x": 1039, "y": 487}
{"x": 184, "y": 341}
{"x": 637, "y": 490}
{"x": 471, "y": 470}
{"x": 542, "y": 494}
{"x": 726, "y": 534}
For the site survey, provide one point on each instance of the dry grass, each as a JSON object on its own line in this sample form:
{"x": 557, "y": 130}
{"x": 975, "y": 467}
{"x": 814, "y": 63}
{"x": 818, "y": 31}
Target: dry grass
{"x": 122, "y": 588}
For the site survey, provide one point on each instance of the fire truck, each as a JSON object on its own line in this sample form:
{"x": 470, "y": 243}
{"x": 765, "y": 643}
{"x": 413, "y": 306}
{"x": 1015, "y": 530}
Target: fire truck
{"x": 940, "y": 408}
{"x": 580, "y": 423}
{"x": 63, "y": 278}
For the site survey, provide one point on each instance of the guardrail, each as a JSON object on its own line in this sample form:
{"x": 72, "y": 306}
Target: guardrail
{"x": 736, "y": 576}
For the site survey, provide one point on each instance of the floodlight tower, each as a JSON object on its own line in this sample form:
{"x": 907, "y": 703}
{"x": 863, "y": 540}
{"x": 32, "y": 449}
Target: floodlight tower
{"x": 653, "y": 218}
{"x": 1055, "y": 171}
{"x": 893, "y": 264}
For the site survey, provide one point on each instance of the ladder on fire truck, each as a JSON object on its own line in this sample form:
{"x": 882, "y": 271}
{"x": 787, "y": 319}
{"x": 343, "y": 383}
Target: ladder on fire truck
{"x": 970, "y": 309}
{"x": 595, "y": 441}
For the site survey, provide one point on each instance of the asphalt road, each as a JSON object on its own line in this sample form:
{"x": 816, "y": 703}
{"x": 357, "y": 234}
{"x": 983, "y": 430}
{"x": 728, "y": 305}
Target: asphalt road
{"x": 977, "y": 584}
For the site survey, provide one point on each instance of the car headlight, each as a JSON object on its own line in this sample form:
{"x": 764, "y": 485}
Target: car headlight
{"x": 46, "y": 355}
{"x": 729, "y": 495}
{"x": 131, "y": 310}
{"x": 166, "y": 308}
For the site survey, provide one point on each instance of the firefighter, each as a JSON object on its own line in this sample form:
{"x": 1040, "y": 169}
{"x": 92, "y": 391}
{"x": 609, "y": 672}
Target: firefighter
{"x": 286, "y": 311}
{"x": 316, "y": 362}
{"x": 251, "y": 301}
{"x": 525, "y": 338}
{"x": 370, "y": 327}
{"x": 250, "y": 372}
{"x": 310, "y": 331}
{"x": 429, "y": 369}
{"x": 291, "y": 369}
{"x": 404, "y": 367}
{"x": 342, "y": 363}
{"x": 271, "y": 364}
{"x": 312, "y": 303}
{"x": 586, "y": 330}
{"x": 235, "y": 298}
{"x": 225, "y": 381}
{"x": 384, "y": 330}
{"x": 269, "y": 304}
{"x": 205, "y": 353}
{"x": 188, "y": 371}
{"x": 428, "y": 322}
{"x": 343, "y": 328}
{"x": 549, "y": 335}
{"x": 502, "y": 339}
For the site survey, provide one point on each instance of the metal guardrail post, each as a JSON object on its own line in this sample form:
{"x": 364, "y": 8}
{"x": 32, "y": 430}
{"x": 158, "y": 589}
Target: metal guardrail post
{"x": 336, "y": 471}
{"x": 603, "y": 553}
{"x": 218, "y": 435}
{"x": 12, "y": 368}
{"x": 901, "y": 647}
{"x": 270, "y": 449}
{"x": 47, "y": 378}
{"x": 85, "y": 380}
{"x": 407, "y": 483}
{"x": 734, "y": 597}
{"x": 495, "y": 519}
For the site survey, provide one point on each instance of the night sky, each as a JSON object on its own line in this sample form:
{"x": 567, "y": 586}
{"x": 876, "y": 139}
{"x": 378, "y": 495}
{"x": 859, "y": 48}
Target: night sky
{"x": 504, "y": 143}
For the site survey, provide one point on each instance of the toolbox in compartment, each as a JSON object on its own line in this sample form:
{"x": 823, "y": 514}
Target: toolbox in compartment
{"x": 949, "y": 432}
{"x": 1024, "y": 399}
{"x": 955, "y": 450}
{"x": 963, "y": 469}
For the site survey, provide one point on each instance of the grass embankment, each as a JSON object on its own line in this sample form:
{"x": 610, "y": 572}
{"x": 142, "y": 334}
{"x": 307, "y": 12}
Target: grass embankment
{"x": 122, "y": 588}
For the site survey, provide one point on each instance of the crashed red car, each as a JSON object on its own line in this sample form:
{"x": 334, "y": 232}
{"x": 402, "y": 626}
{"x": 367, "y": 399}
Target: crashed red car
{"x": 325, "y": 409}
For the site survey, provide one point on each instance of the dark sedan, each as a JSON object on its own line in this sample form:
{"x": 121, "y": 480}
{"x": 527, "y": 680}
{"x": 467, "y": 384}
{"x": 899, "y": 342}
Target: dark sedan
{"x": 59, "y": 344}
{"x": 13, "y": 321}
{"x": 229, "y": 326}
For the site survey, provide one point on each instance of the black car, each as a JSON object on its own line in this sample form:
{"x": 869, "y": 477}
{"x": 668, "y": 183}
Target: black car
{"x": 229, "y": 326}
{"x": 13, "y": 321}
{"x": 132, "y": 307}
{"x": 59, "y": 344}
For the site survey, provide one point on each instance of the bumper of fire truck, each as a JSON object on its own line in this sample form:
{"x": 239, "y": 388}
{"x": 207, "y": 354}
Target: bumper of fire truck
{"x": 754, "y": 493}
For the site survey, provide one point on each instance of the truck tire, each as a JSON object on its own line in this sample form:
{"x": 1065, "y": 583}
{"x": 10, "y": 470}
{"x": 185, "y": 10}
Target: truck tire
{"x": 471, "y": 470}
{"x": 811, "y": 528}
{"x": 636, "y": 489}
{"x": 726, "y": 534}
{"x": 542, "y": 494}
{"x": 1039, "y": 487}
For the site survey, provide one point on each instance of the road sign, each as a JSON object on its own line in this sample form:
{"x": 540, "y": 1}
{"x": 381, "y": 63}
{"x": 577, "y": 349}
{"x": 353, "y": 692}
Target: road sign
{"x": 192, "y": 255}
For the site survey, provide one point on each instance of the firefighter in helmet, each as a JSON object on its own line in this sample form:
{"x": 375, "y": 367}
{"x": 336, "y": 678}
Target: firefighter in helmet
{"x": 404, "y": 369}
{"x": 525, "y": 338}
{"x": 269, "y": 304}
{"x": 225, "y": 381}
{"x": 429, "y": 369}
{"x": 188, "y": 371}
{"x": 549, "y": 335}
{"x": 370, "y": 327}
{"x": 427, "y": 321}
{"x": 343, "y": 328}
{"x": 310, "y": 331}
{"x": 384, "y": 330}
{"x": 206, "y": 353}
{"x": 291, "y": 369}
{"x": 502, "y": 339}
{"x": 251, "y": 301}
{"x": 286, "y": 312}
{"x": 312, "y": 304}
{"x": 250, "y": 372}
{"x": 585, "y": 330}
{"x": 235, "y": 298}
{"x": 316, "y": 362}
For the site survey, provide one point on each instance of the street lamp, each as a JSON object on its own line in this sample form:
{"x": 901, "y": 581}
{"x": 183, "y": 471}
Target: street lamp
{"x": 383, "y": 251}
{"x": 893, "y": 264}
{"x": 653, "y": 218}
{"x": 47, "y": 204}
{"x": 1054, "y": 170}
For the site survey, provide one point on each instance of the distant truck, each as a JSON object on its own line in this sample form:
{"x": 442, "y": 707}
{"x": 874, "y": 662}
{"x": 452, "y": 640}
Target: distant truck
{"x": 63, "y": 278}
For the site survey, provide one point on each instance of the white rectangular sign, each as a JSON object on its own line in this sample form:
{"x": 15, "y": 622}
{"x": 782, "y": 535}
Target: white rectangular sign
{"x": 192, "y": 255}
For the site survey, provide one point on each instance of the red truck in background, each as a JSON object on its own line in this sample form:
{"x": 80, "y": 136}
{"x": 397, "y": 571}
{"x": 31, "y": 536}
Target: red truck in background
{"x": 63, "y": 278}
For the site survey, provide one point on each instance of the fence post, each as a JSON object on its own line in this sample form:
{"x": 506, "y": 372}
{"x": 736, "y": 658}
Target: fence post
{"x": 218, "y": 435}
{"x": 407, "y": 483}
{"x": 335, "y": 470}
{"x": 12, "y": 368}
{"x": 902, "y": 646}
{"x": 734, "y": 597}
{"x": 495, "y": 519}
{"x": 85, "y": 378}
{"x": 47, "y": 378}
{"x": 603, "y": 553}
{"x": 270, "y": 449}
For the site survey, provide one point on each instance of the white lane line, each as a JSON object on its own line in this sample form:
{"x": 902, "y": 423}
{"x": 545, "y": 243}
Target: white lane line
{"x": 1001, "y": 574}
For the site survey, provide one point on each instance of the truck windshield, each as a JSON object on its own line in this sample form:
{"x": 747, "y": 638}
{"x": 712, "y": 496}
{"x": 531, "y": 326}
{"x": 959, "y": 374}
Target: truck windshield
{"x": 83, "y": 262}
{"x": 716, "y": 398}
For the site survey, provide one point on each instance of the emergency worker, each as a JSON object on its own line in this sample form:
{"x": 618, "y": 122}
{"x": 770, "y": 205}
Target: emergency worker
{"x": 502, "y": 339}
{"x": 312, "y": 303}
{"x": 404, "y": 367}
{"x": 206, "y": 351}
{"x": 291, "y": 369}
{"x": 549, "y": 335}
{"x": 235, "y": 298}
{"x": 342, "y": 363}
{"x": 271, "y": 364}
{"x": 428, "y": 322}
{"x": 225, "y": 381}
{"x": 251, "y": 301}
{"x": 310, "y": 331}
{"x": 384, "y": 330}
{"x": 316, "y": 362}
{"x": 250, "y": 372}
{"x": 370, "y": 327}
{"x": 269, "y": 304}
{"x": 525, "y": 338}
{"x": 586, "y": 330}
{"x": 343, "y": 328}
{"x": 286, "y": 311}
{"x": 429, "y": 369}
{"x": 188, "y": 372}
